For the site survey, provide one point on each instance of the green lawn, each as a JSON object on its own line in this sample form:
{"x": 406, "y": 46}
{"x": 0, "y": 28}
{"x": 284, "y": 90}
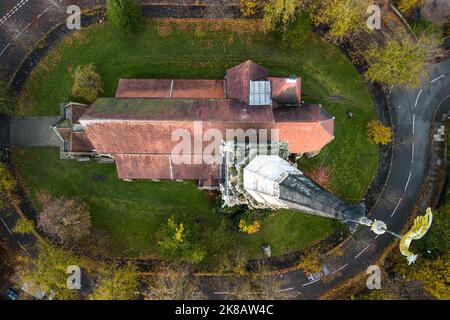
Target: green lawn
{"x": 130, "y": 213}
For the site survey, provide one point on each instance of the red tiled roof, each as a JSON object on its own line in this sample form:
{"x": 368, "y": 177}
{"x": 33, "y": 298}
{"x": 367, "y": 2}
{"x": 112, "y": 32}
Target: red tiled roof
{"x": 238, "y": 79}
{"x": 175, "y": 89}
{"x": 143, "y": 88}
{"x": 221, "y": 110}
{"x": 303, "y": 113}
{"x": 286, "y": 91}
{"x": 79, "y": 142}
{"x": 77, "y": 110}
{"x": 307, "y": 128}
{"x": 160, "y": 166}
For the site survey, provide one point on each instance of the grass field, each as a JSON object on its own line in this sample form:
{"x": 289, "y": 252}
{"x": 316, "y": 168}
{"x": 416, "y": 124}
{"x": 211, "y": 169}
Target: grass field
{"x": 130, "y": 213}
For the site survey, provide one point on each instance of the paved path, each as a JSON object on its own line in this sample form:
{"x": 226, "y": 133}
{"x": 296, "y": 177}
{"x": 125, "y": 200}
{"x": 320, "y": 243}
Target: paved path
{"x": 34, "y": 132}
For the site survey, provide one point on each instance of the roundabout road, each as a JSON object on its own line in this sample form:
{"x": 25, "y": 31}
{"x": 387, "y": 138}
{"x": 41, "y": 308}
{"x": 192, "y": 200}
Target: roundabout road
{"x": 412, "y": 112}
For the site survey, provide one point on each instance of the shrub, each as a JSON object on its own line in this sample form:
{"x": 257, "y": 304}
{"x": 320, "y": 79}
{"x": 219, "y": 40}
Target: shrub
{"x": 181, "y": 242}
{"x": 117, "y": 283}
{"x": 406, "y": 5}
{"x": 378, "y": 133}
{"x": 249, "y": 227}
{"x": 310, "y": 261}
{"x": 279, "y": 13}
{"x": 248, "y": 8}
{"x": 23, "y": 226}
{"x": 65, "y": 220}
{"x": 125, "y": 15}
{"x": 87, "y": 83}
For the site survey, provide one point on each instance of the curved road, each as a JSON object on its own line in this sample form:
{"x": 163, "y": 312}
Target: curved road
{"x": 412, "y": 112}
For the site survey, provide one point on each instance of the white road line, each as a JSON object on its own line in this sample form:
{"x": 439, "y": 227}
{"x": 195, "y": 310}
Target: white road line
{"x": 6, "y": 226}
{"x": 23, "y": 248}
{"x": 356, "y": 257}
{"x": 307, "y": 284}
{"x": 343, "y": 267}
{"x": 339, "y": 269}
{"x": 283, "y": 290}
{"x": 26, "y": 27}
{"x": 412, "y": 153}
{"x": 414, "y": 123}
{"x": 42, "y": 13}
{"x": 407, "y": 182}
{"x": 221, "y": 292}
{"x": 376, "y": 237}
{"x": 417, "y": 99}
{"x": 396, "y": 207}
{"x": 16, "y": 36}
{"x": 440, "y": 77}
{"x": 12, "y": 11}
{"x": 4, "y": 49}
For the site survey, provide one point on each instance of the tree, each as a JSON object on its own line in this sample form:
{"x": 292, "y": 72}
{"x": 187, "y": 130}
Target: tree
{"x": 181, "y": 242}
{"x": 248, "y": 8}
{"x": 7, "y": 100}
{"x": 378, "y": 133}
{"x": 278, "y": 14}
{"x": 270, "y": 287}
{"x": 7, "y": 185}
{"x": 48, "y": 270}
{"x": 399, "y": 62}
{"x": 87, "y": 83}
{"x": 259, "y": 286}
{"x": 343, "y": 17}
{"x": 125, "y": 15}
{"x": 117, "y": 283}
{"x": 65, "y": 220}
{"x": 174, "y": 283}
{"x": 310, "y": 261}
{"x": 23, "y": 226}
{"x": 406, "y": 5}
{"x": 249, "y": 227}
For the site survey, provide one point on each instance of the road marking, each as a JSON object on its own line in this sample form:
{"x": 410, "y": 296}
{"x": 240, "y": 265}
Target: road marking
{"x": 412, "y": 153}
{"x": 376, "y": 237}
{"x": 6, "y": 226}
{"x": 407, "y": 182}
{"x": 12, "y": 11}
{"x": 23, "y": 248}
{"x": 40, "y": 14}
{"x": 339, "y": 269}
{"x": 283, "y": 290}
{"x": 221, "y": 292}
{"x": 307, "y": 284}
{"x": 396, "y": 207}
{"x": 417, "y": 99}
{"x": 26, "y": 27}
{"x": 356, "y": 257}
{"x": 3, "y": 51}
{"x": 414, "y": 123}
{"x": 440, "y": 77}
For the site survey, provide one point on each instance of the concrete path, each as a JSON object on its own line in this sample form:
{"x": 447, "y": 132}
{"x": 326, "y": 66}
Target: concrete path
{"x": 34, "y": 132}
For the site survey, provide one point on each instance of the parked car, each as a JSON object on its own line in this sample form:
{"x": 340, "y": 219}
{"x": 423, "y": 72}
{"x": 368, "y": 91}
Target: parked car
{"x": 12, "y": 294}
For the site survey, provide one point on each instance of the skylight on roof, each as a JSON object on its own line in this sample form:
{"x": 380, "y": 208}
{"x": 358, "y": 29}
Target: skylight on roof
{"x": 260, "y": 93}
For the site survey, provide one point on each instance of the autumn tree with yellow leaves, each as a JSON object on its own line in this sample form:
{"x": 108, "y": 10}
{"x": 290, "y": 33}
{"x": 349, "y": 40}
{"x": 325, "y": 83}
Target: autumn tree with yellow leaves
{"x": 378, "y": 133}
